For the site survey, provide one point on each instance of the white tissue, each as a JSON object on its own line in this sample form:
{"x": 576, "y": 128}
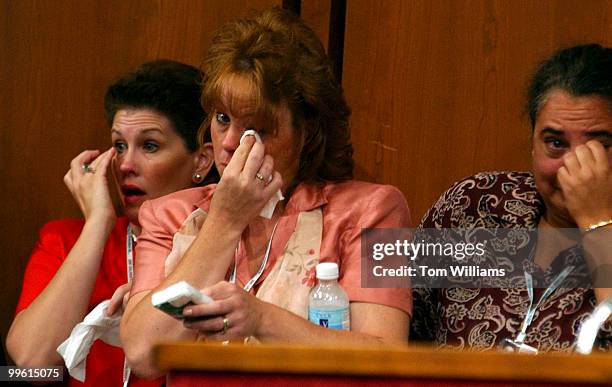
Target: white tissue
{"x": 96, "y": 325}
{"x": 250, "y": 132}
{"x": 268, "y": 209}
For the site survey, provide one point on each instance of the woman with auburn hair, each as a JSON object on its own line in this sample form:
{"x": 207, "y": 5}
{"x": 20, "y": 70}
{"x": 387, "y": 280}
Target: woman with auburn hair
{"x": 268, "y": 73}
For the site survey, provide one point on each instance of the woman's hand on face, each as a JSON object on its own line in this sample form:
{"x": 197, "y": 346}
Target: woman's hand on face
{"x": 247, "y": 183}
{"x": 241, "y": 310}
{"x": 91, "y": 189}
{"x": 586, "y": 181}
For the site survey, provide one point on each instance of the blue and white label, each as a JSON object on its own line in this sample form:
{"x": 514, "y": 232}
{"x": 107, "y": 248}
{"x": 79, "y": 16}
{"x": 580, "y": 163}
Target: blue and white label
{"x": 330, "y": 318}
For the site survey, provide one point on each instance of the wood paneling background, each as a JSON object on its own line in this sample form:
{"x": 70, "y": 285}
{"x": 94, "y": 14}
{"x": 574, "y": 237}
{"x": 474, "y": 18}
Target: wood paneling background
{"x": 56, "y": 60}
{"x": 436, "y": 87}
{"x": 316, "y": 14}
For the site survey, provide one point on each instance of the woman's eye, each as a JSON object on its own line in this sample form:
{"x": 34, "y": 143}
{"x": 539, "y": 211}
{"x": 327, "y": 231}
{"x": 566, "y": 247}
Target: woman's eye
{"x": 554, "y": 144}
{"x": 120, "y": 146}
{"x": 222, "y": 118}
{"x": 150, "y": 146}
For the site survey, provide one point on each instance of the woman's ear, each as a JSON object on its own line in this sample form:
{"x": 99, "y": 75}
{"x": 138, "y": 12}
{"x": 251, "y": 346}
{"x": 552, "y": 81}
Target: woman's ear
{"x": 203, "y": 160}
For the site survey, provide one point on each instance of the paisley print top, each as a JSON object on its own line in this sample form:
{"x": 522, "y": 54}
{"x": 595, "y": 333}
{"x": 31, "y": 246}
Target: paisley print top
{"x": 479, "y": 319}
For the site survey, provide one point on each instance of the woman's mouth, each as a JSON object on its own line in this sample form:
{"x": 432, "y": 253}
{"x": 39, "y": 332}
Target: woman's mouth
{"x": 132, "y": 194}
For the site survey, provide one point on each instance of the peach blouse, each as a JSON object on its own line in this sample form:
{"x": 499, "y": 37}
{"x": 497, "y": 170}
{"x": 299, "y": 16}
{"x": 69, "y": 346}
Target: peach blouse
{"x": 337, "y": 212}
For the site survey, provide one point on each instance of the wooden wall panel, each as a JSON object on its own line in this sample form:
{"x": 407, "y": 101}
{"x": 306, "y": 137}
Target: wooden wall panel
{"x": 437, "y": 87}
{"x": 316, "y": 14}
{"x": 56, "y": 60}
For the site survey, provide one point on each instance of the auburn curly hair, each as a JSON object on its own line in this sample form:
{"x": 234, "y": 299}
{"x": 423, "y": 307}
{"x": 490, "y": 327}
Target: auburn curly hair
{"x": 279, "y": 61}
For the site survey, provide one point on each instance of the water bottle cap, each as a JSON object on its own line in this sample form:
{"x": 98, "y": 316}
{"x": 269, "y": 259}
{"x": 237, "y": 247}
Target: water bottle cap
{"x": 327, "y": 271}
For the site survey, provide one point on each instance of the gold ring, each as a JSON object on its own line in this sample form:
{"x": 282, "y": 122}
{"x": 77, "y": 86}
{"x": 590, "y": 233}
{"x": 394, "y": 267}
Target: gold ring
{"x": 260, "y": 176}
{"x": 225, "y": 325}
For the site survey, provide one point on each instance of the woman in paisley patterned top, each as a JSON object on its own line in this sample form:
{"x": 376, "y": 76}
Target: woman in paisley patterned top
{"x": 570, "y": 111}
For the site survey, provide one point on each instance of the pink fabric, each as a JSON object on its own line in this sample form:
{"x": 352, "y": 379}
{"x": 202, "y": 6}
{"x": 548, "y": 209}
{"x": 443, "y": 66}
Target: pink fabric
{"x": 347, "y": 208}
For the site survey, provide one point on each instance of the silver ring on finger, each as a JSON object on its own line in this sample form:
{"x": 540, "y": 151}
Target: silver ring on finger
{"x": 88, "y": 168}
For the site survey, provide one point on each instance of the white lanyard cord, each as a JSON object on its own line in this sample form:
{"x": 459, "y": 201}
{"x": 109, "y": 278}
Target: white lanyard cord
{"x": 520, "y": 338}
{"x": 129, "y": 252}
{"x": 129, "y": 256}
{"x": 249, "y": 285}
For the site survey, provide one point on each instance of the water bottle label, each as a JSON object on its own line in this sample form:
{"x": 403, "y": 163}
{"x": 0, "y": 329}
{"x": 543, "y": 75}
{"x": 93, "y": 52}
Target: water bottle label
{"x": 332, "y": 319}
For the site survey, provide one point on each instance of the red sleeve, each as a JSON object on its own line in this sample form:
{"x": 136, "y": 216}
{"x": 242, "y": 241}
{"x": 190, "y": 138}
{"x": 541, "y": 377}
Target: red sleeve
{"x": 386, "y": 208}
{"x": 55, "y": 241}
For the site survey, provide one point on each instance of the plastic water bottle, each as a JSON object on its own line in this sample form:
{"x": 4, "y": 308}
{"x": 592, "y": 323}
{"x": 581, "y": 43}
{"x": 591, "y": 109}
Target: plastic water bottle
{"x": 329, "y": 304}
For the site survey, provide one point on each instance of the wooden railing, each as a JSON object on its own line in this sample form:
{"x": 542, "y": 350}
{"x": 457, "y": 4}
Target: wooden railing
{"x": 210, "y": 364}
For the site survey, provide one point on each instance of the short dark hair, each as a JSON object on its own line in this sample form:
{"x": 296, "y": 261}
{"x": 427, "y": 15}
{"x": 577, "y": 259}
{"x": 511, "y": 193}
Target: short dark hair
{"x": 579, "y": 70}
{"x": 283, "y": 61}
{"x": 170, "y": 88}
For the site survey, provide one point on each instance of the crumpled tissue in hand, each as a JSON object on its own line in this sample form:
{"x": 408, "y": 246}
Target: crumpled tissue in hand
{"x": 96, "y": 325}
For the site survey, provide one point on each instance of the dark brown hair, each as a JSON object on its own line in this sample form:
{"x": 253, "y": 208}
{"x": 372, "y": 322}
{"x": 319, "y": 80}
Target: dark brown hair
{"x": 579, "y": 70}
{"x": 170, "y": 88}
{"x": 281, "y": 61}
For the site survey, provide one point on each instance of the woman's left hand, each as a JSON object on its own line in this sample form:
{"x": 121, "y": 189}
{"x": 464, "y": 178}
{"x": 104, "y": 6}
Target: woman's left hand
{"x": 234, "y": 314}
{"x": 586, "y": 181}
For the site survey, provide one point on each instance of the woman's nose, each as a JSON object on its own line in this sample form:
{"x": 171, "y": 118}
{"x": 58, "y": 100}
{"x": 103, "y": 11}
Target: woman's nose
{"x": 232, "y": 138}
{"x": 127, "y": 161}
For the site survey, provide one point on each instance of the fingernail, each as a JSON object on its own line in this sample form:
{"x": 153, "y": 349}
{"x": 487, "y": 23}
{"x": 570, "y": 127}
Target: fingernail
{"x": 187, "y": 312}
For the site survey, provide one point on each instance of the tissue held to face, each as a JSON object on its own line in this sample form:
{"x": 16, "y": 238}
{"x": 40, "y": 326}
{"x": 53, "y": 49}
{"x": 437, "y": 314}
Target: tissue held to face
{"x": 228, "y": 125}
